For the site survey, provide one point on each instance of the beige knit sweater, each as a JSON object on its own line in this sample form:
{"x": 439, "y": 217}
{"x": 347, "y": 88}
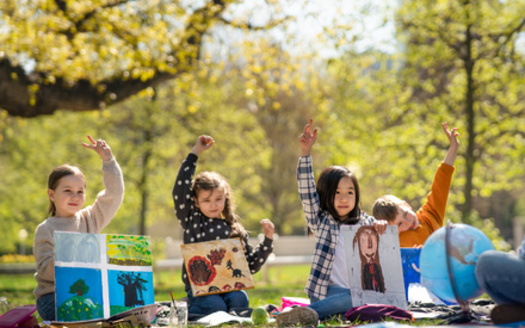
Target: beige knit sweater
{"x": 91, "y": 219}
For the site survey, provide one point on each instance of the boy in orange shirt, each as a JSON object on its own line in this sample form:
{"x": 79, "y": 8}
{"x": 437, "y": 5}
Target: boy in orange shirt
{"x": 415, "y": 228}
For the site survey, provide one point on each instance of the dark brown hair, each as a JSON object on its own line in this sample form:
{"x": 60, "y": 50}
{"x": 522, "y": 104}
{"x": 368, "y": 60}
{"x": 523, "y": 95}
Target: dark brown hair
{"x": 54, "y": 178}
{"x": 327, "y": 187}
{"x": 210, "y": 181}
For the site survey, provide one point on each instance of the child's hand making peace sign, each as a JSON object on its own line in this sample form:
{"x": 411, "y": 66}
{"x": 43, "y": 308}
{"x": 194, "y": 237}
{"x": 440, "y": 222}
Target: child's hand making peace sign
{"x": 101, "y": 147}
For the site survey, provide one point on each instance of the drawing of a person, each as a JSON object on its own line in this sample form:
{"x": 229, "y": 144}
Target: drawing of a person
{"x": 367, "y": 239}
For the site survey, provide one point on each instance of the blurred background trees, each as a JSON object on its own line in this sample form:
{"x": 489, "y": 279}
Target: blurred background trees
{"x": 150, "y": 76}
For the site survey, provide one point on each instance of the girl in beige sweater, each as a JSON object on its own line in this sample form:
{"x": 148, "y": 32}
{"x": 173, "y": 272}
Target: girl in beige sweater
{"x": 66, "y": 192}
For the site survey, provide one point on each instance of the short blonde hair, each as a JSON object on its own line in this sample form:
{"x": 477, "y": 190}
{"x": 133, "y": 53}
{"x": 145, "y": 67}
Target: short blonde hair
{"x": 386, "y": 207}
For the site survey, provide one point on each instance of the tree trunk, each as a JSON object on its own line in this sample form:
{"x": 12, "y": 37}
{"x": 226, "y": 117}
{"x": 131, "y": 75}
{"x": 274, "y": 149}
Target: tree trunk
{"x": 470, "y": 157}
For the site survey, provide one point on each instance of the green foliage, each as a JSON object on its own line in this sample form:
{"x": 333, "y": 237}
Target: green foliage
{"x": 79, "y": 288}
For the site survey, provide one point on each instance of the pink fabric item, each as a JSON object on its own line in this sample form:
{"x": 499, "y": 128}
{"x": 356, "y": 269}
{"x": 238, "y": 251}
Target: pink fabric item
{"x": 377, "y": 312}
{"x": 291, "y": 301}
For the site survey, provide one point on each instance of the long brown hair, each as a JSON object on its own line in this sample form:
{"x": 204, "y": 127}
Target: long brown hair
{"x": 210, "y": 181}
{"x": 326, "y": 187}
{"x": 54, "y": 178}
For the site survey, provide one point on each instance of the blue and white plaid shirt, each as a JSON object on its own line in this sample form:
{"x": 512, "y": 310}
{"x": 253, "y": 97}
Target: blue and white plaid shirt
{"x": 521, "y": 250}
{"x": 324, "y": 227}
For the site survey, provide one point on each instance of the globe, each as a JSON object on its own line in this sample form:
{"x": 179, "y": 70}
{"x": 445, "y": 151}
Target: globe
{"x": 466, "y": 244}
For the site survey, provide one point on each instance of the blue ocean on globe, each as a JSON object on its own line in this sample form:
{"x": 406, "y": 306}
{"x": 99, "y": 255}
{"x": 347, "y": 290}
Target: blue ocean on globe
{"x": 467, "y": 244}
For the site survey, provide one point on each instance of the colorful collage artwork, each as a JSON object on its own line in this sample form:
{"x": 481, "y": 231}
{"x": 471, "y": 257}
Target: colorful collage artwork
{"x": 217, "y": 266}
{"x": 374, "y": 266}
{"x": 98, "y": 275}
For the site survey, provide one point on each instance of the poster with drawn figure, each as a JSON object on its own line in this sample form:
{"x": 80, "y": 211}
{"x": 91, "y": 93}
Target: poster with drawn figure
{"x": 86, "y": 285}
{"x": 216, "y": 266}
{"x": 374, "y": 265}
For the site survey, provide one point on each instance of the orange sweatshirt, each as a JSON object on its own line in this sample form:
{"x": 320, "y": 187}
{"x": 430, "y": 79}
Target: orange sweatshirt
{"x": 432, "y": 213}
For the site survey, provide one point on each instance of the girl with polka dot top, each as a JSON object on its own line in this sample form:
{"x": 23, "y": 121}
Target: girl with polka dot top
{"x": 205, "y": 209}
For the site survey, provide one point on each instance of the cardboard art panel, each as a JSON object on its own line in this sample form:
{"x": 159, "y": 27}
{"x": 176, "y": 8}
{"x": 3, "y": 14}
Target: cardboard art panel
{"x": 98, "y": 276}
{"x": 410, "y": 264}
{"x": 374, "y": 266}
{"x": 217, "y": 266}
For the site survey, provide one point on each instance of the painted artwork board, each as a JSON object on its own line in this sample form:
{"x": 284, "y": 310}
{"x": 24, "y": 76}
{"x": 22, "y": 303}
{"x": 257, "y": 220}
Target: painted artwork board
{"x": 410, "y": 264}
{"x": 374, "y": 266}
{"x": 98, "y": 275}
{"x": 217, "y": 266}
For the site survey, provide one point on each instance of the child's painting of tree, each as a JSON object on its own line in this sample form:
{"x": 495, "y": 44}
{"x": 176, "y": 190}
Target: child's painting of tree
{"x": 98, "y": 276}
{"x": 79, "y": 294}
{"x": 128, "y": 250}
{"x": 129, "y": 289}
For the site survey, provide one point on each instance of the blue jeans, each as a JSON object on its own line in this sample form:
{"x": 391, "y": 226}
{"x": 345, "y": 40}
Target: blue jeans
{"x": 337, "y": 302}
{"x": 204, "y": 305}
{"x": 46, "y": 307}
{"x": 502, "y": 276}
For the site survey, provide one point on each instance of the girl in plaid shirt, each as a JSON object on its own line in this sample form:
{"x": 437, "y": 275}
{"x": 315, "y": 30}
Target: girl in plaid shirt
{"x": 335, "y": 201}
{"x": 205, "y": 209}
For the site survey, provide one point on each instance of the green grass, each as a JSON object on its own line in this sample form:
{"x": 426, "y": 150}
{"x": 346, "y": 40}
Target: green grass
{"x": 270, "y": 286}
{"x": 281, "y": 281}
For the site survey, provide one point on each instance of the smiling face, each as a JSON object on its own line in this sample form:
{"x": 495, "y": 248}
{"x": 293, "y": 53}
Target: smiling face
{"x": 211, "y": 202}
{"x": 69, "y": 195}
{"x": 344, "y": 200}
{"x": 368, "y": 244}
{"x": 405, "y": 218}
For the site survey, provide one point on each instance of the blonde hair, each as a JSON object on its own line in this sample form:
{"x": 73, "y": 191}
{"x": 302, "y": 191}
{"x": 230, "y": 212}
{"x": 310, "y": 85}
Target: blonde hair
{"x": 54, "y": 178}
{"x": 210, "y": 181}
{"x": 386, "y": 207}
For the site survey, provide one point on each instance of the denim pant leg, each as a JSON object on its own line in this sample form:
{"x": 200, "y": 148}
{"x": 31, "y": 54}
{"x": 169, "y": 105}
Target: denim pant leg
{"x": 337, "y": 302}
{"x": 236, "y": 299}
{"x": 46, "y": 307}
{"x": 204, "y": 305}
{"x": 502, "y": 276}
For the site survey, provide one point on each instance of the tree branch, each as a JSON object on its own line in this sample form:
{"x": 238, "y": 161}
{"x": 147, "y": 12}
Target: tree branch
{"x": 30, "y": 95}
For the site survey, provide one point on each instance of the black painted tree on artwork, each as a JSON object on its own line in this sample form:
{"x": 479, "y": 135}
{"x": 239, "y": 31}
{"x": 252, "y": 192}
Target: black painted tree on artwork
{"x": 133, "y": 285}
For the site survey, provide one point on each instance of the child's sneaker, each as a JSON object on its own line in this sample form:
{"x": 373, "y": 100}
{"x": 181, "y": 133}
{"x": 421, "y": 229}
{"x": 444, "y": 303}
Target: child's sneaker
{"x": 304, "y": 316}
{"x": 507, "y": 313}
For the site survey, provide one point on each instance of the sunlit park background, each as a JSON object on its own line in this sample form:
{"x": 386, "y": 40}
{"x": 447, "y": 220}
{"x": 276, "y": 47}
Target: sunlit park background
{"x": 149, "y": 76}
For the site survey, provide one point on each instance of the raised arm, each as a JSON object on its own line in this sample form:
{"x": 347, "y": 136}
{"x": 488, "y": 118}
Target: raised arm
{"x": 305, "y": 178}
{"x": 182, "y": 193}
{"x": 108, "y": 200}
{"x": 452, "y": 135}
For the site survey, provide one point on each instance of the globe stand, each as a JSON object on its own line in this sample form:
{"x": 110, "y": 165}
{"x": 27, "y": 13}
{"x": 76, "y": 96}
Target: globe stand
{"x": 465, "y": 315}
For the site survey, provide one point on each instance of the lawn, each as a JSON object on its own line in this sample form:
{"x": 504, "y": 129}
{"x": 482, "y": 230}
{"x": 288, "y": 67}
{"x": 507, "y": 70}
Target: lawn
{"x": 279, "y": 281}
{"x": 269, "y": 288}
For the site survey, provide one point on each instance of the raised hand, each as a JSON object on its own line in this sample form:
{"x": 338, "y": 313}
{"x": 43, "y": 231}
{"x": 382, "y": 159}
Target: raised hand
{"x": 307, "y": 139}
{"x": 268, "y": 228}
{"x": 101, "y": 147}
{"x": 452, "y": 136}
{"x": 203, "y": 143}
